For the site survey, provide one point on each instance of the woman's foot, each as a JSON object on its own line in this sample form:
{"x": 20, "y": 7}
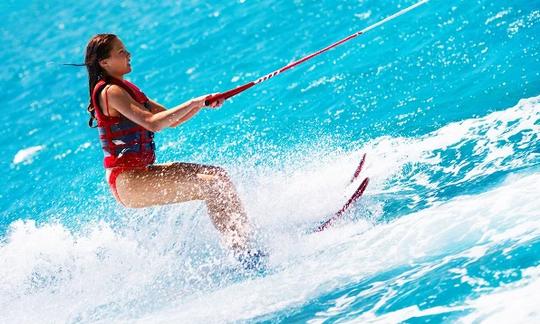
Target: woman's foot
{"x": 252, "y": 259}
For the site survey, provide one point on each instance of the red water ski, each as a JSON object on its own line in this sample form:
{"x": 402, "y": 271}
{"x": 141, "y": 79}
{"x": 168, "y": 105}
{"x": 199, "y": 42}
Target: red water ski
{"x": 355, "y": 196}
{"x": 358, "y": 168}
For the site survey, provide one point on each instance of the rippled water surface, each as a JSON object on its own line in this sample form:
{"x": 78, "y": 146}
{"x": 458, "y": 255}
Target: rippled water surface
{"x": 445, "y": 100}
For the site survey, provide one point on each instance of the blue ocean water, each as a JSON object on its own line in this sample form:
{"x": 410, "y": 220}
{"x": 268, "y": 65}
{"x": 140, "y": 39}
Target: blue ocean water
{"x": 445, "y": 100}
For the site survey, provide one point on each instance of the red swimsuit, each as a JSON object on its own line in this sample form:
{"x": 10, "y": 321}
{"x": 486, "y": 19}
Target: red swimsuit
{"x": 126, "y": 145}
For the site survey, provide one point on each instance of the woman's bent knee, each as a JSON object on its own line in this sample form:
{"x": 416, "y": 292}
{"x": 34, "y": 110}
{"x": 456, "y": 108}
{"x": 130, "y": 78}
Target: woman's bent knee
{"x": 216, "y": 171}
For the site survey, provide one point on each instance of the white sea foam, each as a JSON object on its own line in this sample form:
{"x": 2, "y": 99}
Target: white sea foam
{"x": 494, "y": 140}
{"x": 327, "y": 261}
{"x": 26, "y": 155}
{"x": 113, "y": 274}
{"x": 514, "y": 303}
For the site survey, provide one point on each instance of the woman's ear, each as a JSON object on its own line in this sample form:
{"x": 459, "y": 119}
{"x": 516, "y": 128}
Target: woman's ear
{"x": 103, "y": 63}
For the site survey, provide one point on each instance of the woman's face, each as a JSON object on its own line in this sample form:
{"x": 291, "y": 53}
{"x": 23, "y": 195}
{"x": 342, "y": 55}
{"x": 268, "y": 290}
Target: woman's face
{"x": 118, "y": 62}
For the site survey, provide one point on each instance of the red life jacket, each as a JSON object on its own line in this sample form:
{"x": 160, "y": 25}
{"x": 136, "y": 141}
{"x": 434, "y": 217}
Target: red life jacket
{"x": 124, "y": 143}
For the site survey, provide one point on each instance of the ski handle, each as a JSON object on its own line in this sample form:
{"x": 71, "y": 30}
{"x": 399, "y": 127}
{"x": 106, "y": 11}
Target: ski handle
{"x": 226, "y": 95}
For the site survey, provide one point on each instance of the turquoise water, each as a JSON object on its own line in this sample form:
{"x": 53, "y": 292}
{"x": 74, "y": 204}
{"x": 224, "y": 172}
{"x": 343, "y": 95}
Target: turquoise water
{"x": 445, "y": 100}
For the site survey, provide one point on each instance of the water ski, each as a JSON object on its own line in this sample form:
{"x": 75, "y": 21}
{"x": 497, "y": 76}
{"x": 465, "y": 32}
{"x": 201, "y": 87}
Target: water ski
{"x": 350, "y": 202}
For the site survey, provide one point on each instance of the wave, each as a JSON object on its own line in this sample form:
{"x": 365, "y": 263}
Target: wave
{"x": 127, "y": 274}
{"x": 441, "y": 201}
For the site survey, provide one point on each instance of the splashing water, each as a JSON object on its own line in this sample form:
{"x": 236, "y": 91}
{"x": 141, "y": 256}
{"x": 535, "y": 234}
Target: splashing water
{"x": 445, "y": 103}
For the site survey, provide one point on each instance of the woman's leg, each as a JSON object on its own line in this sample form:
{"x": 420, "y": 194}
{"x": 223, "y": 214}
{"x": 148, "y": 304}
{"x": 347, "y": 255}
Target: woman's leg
{"x": 179, "y": 182}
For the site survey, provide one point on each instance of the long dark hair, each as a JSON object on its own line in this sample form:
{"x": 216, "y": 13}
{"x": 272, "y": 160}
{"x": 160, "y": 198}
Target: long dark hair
{"x": 98, "y": 48}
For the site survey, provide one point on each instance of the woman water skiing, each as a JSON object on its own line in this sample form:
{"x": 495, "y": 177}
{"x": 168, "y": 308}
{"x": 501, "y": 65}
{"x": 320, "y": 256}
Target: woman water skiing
{"x": 127, "y": 120}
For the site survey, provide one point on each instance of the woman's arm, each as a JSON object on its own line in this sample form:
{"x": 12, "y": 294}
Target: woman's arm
{"x": 186, "y": 117}
{"x": 120, "y": 100}
{"x": 194, "y": 111}
{"x": 156, "y": 107}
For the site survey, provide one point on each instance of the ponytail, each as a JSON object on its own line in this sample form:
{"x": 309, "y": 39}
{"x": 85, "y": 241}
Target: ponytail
{"x": 98, "y": 48}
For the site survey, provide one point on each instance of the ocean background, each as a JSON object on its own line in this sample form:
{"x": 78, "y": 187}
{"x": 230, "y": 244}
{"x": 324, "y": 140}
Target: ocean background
{"x": 445, "y": 101}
